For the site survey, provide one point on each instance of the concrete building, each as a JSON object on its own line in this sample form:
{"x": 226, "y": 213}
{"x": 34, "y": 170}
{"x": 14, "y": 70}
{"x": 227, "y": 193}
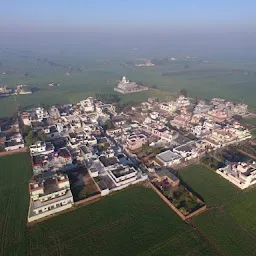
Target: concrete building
{"x": 53, "y": 161}
{"x": 243, "y": 175}
{"x": 122, "y": 175}
{"x": 125, "y": 86}
{"x": 136, "y": 141}
{"x": 54, "y": 113}
{"x": 187, "y": 151}
{"x": 87, "y": 105}
{"x": 49, "y": 195}
{"x": 14, "y": 142}
{"x": 41, "y": 147}
{"x": 168, "y": 158}
{"x": 41, "y": 114}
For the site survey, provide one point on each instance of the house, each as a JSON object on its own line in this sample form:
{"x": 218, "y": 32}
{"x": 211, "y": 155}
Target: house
{"x": 136, "y": 141}
{"x": 201, "y": 107}
{"x": 168, "y": 106}
{"x": 240, "y": 109}
{"x": 14, "y": 142}
{"x": 54, "y": 113}
{"x": 41, "y": 147}
{"x": 49, "y": 194}
{"x": 187, "y": 151}
{"x": 165, "y": 173}
{"x": 182, "y": 101}
{"x": 86, "y": 153}
{"x": 181, "y": 121}
{"x": 218, "y": 115}
{"x": 119, "y": 120}
{"x": 241, "y": 174}
{"x": 114, "y": 132}
{"x": 53, "y": 161}
{"x": 168, "y": 158}
{"x": 122, "y": 175}
{"x": 41, "y": 114}
{"x": 87, "y": 105}
{"x": 171, "y": 181}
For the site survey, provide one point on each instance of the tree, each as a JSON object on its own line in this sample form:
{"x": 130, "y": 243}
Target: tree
{"x": 32, "y": 137}
{"x": 183, "y": 92}
{"x": 238, "y": 118}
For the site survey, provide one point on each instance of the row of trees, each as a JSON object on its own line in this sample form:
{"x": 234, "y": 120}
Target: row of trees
{"x": 108, "y": 97}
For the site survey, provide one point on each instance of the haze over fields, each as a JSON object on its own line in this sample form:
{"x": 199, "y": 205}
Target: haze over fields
{"x": 94, "y": 41}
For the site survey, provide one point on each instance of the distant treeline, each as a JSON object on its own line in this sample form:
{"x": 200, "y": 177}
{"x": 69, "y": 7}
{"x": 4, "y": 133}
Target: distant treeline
{"x": 108, "y": 97}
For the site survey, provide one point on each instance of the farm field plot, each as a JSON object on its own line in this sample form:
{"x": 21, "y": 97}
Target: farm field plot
{"x": 15, "y": 171}
{"x": 225, "y": 233}
{"x": 242, "y": 210}
{"x": 131, "y": 222}
{"x": 251, "y": 121}
{"x": 213, "y": 189}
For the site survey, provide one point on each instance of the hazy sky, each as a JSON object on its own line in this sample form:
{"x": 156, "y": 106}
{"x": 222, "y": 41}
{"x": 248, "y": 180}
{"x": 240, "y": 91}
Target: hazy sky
{"x": 201, "y": 26}
{"x": 128, "y": 12}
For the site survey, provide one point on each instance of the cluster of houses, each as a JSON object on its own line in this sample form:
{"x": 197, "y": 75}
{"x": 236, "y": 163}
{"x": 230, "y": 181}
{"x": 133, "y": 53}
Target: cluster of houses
{"x": 74, "y": 138}
{"x": 183, "y": 129}
{"x": 147, "y": 137}
{"x": 10, "y": 136}
{"x": 20, "y": 89}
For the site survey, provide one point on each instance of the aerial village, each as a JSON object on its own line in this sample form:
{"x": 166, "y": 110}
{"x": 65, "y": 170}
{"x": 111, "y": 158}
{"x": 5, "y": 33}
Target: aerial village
{"x": 88, "y": 150}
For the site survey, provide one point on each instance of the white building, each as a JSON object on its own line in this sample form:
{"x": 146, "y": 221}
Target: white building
{"x": 48, "y": 196}
{"x": 14, "y": 143}
{"x": 125, "y": 86}
{"x": 168, "y": 158}
{"x": 122, "y": 175}
{"x": 41, "y": 147}
{"x": 243, "y": 175}
{"x": 41, "y": 114}
{"x": 87, "y": 105}
{"x": 182, "y": 101}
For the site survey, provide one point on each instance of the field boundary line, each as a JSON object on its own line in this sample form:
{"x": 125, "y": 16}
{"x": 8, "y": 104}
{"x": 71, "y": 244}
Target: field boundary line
{"x": 237, "y": 223}
{"x": 211, "y": 243}
{"x": 160, "y": 245}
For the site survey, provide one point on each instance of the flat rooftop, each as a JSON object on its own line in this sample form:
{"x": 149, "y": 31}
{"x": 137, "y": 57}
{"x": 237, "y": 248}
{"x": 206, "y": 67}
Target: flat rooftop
{"x": 168, "y": 173}
{"x": 39, "y": 204}
{"x": 121, "y": 171}
{"x": 107, "y": 161}
{"x": 168, "y": 156}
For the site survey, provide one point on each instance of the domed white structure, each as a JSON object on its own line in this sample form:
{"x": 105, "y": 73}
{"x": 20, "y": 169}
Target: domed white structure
{"x": 125, "y": 86}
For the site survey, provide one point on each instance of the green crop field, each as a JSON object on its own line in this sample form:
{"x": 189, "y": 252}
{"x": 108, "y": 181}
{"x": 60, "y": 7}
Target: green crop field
{"x": 230, "y": 237}
{"x": 99, "y": 74}
{"x": 242, "y": 209}
{"x": 229, "y": 222}
{"x": 251, "y": 121}
{"x": 134, "y": 221}
{"x": 131, "y": 222}
{"x": 15, "y": 171}
{"x": 213, "y": 189}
